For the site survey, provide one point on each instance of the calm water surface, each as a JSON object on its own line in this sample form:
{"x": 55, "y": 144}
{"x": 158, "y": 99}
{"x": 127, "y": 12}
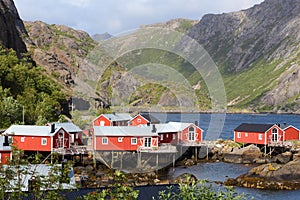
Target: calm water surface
{"x": 222, "y": 125}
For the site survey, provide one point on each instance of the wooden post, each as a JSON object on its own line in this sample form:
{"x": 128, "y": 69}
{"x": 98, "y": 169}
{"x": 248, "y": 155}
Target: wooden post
{"x": 112, "y": 159}
{"x": 121, "y": 161}
{"x": 196, "y": 154}
{"x": 207, "y": 152}
{"x": 173, "y": 162}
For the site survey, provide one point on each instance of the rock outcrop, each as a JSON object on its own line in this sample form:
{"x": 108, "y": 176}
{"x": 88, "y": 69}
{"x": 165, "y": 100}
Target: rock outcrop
{"x": 270, "y": 176}
{"x": 245, "y": 155}
{"x": 12, "y": 30}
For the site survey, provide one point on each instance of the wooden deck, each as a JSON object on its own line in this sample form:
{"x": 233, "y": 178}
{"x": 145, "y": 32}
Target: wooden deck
{"x": 75, "y": 150}
{"x": 159, "y": 149}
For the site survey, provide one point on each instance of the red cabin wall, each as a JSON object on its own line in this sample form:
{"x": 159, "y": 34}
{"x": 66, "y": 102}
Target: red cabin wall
{"x": 252, "y": 138}
{"x": 32, "y": 143}
{"x": 291, "y": 133}
{"x": 66, "y": 139}
{"x": 4, "y": 156}
{"x": 168, "y": 138}
{"x": 184, "y": 136}
{"x": 138, "y": 120}
{"x": 97, "y": 121}
{"x": 125, "y": 145}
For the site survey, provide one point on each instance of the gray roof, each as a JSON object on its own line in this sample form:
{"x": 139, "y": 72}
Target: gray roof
{"x": 118, "y": 117}
{"x": 124, "y": 131}
{"x": 68, "y": 126}
{"x": 31, "y": 130}
{"x": 40, "y": 170}
{"x": 171, "y": 127}
{"x": 259, "y": 128}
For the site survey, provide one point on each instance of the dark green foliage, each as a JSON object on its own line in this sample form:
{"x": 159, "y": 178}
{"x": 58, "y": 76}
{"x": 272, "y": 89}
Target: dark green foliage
{"x": 120, "y": 189}
{"x": 199, "y": 190}
{"x": 24, "y": 87}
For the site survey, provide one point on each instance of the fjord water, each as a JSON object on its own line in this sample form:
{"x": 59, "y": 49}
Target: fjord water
{"x": 220, "y": 171}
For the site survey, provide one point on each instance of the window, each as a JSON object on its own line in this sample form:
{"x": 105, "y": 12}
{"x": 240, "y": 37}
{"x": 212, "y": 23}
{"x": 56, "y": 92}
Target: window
{"x": 167, "y": 136}
{"x": 239, "y": 135}
{"x": 105, "y": 140}
{"x": 246, "y": 134}
{"x": 260, "y": 136}
{"x": 44, "y": 141}
{"x": 120, "y": 139}
{"x": 162, "y": 137}
{"x": 274, "y": 135}
{"x": 102, "y": 123}
{"x": 22, "y": 139}
{"x": 174, "y": 137}
{"x": 139, "y": 120}
{"x": 147, "y": 142}
{"x": 191, "y": 134}
{"x": 133, "y": 141}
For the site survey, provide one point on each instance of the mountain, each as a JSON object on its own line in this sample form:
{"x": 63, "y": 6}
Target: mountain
{"x": 12, "y": 32}
{"x": 100, "y": 37}
{"x": 258, "y": 53}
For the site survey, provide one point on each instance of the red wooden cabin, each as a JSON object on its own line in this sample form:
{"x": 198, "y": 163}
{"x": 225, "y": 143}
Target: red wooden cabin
{"x": 291, "y": 133}
{"x": 5, "y": 149}
{"x": 125, "y": 138}
{"x": 39, "y": 138}
{"x": 177, "y": 133}
{"x": 75, "y": 132}
{"x": 258, "y": 134}
{"x": 143, "y": 119}
{"x": 115, "y": 119}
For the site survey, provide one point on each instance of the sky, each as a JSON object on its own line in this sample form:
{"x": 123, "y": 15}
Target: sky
{"x": 118, "y": 16}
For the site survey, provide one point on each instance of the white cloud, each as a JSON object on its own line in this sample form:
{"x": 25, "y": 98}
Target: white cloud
{"x": 97, "y": 16}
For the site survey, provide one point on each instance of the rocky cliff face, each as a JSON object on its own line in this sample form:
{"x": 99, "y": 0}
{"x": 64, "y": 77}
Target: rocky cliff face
{"x": 236, "y": 40}
{"x": 12, "y": 28}
{"x": 59, "y": 49}
{"x": 245, "y": 44}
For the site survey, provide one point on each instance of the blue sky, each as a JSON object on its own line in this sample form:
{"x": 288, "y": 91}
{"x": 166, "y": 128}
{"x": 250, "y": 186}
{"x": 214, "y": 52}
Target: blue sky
{"x": 116, "y": 16}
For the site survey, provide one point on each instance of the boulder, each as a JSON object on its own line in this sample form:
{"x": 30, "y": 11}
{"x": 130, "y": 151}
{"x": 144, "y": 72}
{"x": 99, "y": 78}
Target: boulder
{"x": 244, "y": 155}
{"x": 185, "y": 178}
{"x": 284, "y": 157}
{"x": 270, "y": 176}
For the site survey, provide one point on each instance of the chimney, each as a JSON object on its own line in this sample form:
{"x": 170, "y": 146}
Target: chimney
{"x": 52, "y": 128}
{"x": 196, "y": 123}
{"x": 153, "y": 128}
{"x": 5, "y": 143}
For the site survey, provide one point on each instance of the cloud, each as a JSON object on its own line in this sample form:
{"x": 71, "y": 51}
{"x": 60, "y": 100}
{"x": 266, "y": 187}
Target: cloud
{"x": 116, "y": 16}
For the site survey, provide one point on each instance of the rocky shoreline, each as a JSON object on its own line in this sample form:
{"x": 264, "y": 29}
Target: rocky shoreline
{"x": 276, "y": 170}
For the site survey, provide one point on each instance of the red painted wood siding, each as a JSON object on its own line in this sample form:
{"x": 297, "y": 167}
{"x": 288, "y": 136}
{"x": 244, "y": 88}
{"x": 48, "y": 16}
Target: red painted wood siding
{"x": 124, "y": 145}
{"x": 184, "y": 136}
{"x": 5, "y": 156}
{"x": 254, "y": 137}
{"x": 32, "y": 143}
{"x": 138, "y": 120}
{"x": 291, "y": 133}
{"x": 168, "y": 138}
{"x": 249, "y": 137}
{"x": 106, "y": 122}
{"x": 65, "y": 140}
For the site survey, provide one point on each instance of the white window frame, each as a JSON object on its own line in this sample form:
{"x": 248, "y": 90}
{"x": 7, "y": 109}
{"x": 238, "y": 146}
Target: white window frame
{"x": 105, "y": 140}
{"x": 191, "y": 134}
{"x": 238, "y": 135}
{"x": 246, "y": 134}
{"x": 22, "y": 139}
{"x": 102, "y": 123}
{"x": 260, "y": 136}
{"x": 44, "y": 141}
{"x": 174, "y": 136}
{"x": 147, "y": 142}
{"x": 120, "y": 139}
{"x": 162, "y": 137}
{"x": 139, "y": 120}
{"x": 133, "y": 140}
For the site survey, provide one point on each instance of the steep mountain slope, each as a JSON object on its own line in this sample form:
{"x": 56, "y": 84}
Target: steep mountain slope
{"x": 12, "y": 27}
{"x": 258, "y": 53}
